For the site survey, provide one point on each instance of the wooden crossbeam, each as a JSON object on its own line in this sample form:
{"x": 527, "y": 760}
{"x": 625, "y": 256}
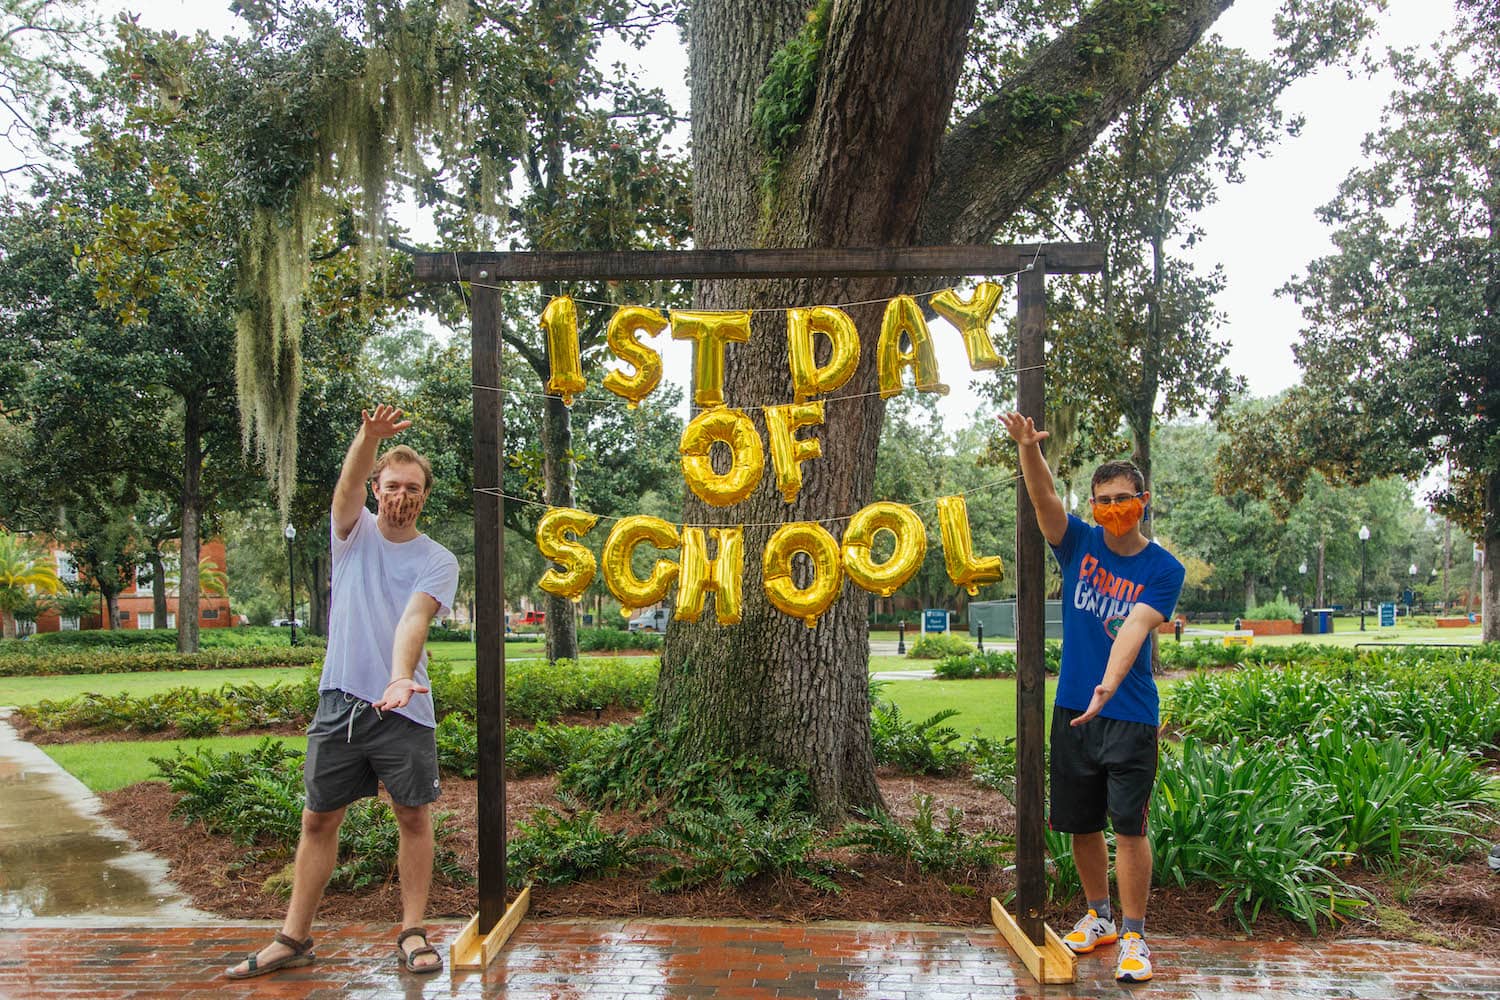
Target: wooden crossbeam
{"x": 689, "y": 265}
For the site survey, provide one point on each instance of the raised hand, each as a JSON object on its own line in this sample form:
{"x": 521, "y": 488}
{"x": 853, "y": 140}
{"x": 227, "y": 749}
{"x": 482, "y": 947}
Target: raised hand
{"x": 384, "y": 423}
{"x": 1022, "y": 429}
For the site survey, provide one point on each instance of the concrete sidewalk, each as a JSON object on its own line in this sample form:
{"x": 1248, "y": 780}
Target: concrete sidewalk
{"x": 722, "y": 961}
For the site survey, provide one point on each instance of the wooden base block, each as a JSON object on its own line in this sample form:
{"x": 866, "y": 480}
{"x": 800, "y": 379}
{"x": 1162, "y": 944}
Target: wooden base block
{"x": 470, "y": 952}
{"x": 1050, "y": 962}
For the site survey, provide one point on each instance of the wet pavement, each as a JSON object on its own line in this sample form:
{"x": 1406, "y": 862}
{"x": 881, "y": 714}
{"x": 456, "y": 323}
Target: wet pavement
{"x": 60, "y": 860}
{"x": 722, "y": 961}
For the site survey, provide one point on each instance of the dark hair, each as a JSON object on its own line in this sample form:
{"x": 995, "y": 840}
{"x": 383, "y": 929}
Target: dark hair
{"x": 1114, "y": 470}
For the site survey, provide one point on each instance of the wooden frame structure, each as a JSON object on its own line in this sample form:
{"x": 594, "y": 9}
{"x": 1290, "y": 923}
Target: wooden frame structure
{"x": 1041, "y": 951}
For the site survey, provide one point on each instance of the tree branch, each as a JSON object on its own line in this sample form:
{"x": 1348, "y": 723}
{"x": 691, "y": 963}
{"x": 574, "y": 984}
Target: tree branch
{"x": 1048, "y": 114}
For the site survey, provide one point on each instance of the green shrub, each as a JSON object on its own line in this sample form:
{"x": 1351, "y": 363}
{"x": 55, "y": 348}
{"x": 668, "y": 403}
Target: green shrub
{"x": 165, "y": 639}
{"x": 924, "y": 843}
{"x": 926, "y": 747}
{"x": 994, "y": 663}
{"x": 1277, "y": 609}
{"x": 1241, "y": 819}
{"x": 637, "y": 767}
{"x": 938, "y": 645}
{"x": 541, "y": 750}
{"x": 994, "y": 763}
{"x": 1449, "y": 699}
{"x": 555, "y": 847}
{"x": 457, "y": 745}
{"x": 124, "y": 661}
{"x": 614, "y": 640}
{"x": 194, "y": 711}
{"x": 442, "y": 633}
{"x": 538, "y": 690}
{"x": 732, "y": 841}
{"x": 256, "y": 797}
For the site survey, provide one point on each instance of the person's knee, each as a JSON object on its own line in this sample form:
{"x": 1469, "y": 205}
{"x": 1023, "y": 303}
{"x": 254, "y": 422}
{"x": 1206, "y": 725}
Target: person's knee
{"x": 413, "y": 820}
{"x": 321, "y": 824}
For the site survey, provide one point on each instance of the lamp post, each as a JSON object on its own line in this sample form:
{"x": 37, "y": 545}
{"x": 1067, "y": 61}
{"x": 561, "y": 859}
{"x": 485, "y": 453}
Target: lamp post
{"x": 290, "y": 532}
{"x": 1364, "y": 536}
{"x": 1411, "y": 588}
{"x": 1302, "y": 587}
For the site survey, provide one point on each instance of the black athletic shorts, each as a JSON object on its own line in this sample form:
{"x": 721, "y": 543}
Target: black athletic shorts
{"x": 351, "y": 746}
{"x": 1105, "y": 767}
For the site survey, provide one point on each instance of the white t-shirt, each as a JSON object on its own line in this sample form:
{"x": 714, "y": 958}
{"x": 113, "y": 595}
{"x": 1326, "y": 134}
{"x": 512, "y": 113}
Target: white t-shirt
{"x": 373, "y": 580}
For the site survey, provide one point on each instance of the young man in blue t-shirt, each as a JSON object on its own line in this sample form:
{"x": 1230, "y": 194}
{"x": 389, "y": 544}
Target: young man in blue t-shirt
{"x": 1118, "y": 586}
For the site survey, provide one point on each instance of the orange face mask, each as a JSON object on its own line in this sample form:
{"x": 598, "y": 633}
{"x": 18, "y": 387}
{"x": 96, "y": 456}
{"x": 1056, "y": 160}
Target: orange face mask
{"x": 1119, "y": 518}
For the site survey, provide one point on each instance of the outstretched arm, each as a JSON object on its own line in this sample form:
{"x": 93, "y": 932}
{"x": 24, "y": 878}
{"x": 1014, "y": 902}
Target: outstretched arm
{"x": 1136, "y": 631}
{"x": 349, "y": 494}
{"x": 1051, "y": 517}
{"x": 411, "y": 633}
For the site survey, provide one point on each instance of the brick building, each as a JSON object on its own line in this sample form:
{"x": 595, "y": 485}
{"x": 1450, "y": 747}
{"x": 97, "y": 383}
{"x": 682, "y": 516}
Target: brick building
{"x": 135, "y": 609}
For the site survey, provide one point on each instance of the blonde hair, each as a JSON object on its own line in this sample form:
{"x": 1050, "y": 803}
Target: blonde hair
{"x": 406, "y": 456}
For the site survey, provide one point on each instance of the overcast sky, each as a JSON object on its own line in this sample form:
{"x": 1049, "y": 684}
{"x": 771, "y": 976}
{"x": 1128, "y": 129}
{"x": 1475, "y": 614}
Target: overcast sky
{"x": 1262, "y": 231}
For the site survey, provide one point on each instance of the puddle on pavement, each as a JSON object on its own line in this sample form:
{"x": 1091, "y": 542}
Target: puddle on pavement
{"x": 57, "y": 859}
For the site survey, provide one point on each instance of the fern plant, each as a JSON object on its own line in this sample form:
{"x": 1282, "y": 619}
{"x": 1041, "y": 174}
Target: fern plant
{"x": 931, "y": 846}
{"x": 732, "y": 843}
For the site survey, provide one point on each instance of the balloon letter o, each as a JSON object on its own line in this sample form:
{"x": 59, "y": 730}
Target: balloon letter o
{"x": 733, "y": 427}
{"x": 911, "y": 547}
{"x": 828, "y": 573}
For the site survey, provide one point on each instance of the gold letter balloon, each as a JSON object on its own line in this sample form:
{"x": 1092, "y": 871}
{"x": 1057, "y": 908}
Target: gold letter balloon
{"x": 788, "y": 451}
{"x": 828, "y": 572}
{"x": 576, "y": 561}
{"x": 619, "y": 550}
{"x": 808, "y": 379}
{"x": 712, "y": 330}
{"x": 964, "y": 568}
{"x": 560, "y": 324}
{"x": 747, "y": 459}
{"x": 623, "y": 326}
{"x": 904, "y": 316}
{"x": 973, "y": 321}
{"x": 906, "y": 556}
{"x": 722, "y": 574}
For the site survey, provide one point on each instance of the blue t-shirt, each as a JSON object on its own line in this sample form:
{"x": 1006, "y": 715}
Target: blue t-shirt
{"x": 1099, "y": 590}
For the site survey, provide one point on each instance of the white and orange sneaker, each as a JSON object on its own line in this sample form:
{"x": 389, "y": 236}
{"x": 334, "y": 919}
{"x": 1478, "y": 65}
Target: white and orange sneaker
{"x": 1134, "y": 965}
{"x": 1089, "y": 933}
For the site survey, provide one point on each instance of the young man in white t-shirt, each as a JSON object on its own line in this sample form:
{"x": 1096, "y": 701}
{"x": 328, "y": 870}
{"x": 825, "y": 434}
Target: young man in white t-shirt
{"x": 375, "y": 718}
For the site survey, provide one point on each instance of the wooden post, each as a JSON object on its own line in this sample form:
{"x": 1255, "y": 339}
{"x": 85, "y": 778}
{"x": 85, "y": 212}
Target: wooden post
{"x": 489, "y": 596}
{"x": 1031, "y": 574}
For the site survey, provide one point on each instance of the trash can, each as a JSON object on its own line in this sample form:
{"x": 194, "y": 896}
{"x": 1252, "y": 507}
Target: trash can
{"x": 1322, "y": 620}
{"x": 1310, "y": 623}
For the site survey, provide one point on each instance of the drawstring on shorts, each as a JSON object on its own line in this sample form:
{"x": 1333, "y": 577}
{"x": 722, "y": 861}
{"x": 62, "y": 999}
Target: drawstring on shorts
{"x": 355, "y": 705}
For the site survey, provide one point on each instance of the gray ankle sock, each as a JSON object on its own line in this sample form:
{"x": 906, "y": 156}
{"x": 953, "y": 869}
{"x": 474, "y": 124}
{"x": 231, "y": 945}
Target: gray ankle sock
{"x": 1100, "y": 908}
{"x": 1134, "y": 926}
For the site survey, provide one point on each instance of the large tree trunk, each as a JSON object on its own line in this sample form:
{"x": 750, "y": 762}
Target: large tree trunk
{"x": 561, "y": 626}
{"x": 111, "y": 610}
{"x": 192, "y": 505}
{"x": 1489, "y": 607}
{"x": 319, "y": 593}
{"x": 1249, "y": 589}
{"x": 862, "y": 173}
{"x": 158, "y": 588}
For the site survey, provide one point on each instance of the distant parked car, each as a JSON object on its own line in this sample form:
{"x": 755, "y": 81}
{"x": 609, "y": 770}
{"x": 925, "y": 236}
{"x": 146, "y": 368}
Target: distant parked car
{"x": 533, "y": 619}
{"x": 283, "y": 622}
{"x": 649, "y": 621}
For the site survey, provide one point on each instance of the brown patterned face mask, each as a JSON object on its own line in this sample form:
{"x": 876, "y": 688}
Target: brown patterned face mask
{"x": 400, "y": 511}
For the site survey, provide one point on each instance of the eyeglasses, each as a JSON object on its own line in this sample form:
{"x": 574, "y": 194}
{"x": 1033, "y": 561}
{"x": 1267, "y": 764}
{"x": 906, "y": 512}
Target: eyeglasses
{"x": 1111, "y": 501}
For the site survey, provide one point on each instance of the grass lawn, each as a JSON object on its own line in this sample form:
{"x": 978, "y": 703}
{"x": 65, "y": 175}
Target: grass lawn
{"x": 30, "y": 690}
{"x": 107, "y": 766}
{"x": 987, "y": 706}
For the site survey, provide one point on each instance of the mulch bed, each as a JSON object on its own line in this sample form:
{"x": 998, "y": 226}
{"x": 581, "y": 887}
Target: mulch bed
{"x": 1459, "y": 908}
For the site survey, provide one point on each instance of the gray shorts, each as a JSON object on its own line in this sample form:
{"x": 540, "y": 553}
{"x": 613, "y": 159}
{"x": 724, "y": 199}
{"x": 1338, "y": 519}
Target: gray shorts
{"x": 351, "y": 746}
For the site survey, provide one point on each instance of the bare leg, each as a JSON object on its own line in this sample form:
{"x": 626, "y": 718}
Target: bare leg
{"x": 414, "y": 862}
{"x": 317, "y": 853}
{"x": 1091, "y": 856}
{"x": 1133, "y": 872}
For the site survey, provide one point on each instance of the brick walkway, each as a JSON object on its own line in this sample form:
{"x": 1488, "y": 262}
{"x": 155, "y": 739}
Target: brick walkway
{"x": 607, "y": 959}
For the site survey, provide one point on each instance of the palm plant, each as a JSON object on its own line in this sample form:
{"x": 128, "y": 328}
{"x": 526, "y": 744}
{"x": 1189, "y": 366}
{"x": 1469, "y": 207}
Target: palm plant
{"x": 23, "y": 574}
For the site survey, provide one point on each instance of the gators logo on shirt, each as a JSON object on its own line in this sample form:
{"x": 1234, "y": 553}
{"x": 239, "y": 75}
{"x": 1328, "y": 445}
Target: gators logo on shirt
{"x": 1113, "y": 626}
{"x": 1104, "y": 595}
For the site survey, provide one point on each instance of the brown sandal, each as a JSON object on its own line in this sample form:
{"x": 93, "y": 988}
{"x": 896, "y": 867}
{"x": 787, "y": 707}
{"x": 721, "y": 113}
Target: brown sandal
{"x": 301, "y": 955}
{"x": 408, "y": 958}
